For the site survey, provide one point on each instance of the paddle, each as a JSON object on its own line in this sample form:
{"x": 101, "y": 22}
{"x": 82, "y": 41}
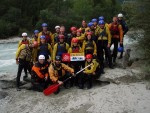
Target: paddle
{"x": 53, "y": 88}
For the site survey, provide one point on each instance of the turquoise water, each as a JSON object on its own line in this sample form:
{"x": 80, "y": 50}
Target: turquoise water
{"x": 7, "y": 58}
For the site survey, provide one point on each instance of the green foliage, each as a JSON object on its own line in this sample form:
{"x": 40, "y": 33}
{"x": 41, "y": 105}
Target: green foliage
{"x": 18, "y": 15}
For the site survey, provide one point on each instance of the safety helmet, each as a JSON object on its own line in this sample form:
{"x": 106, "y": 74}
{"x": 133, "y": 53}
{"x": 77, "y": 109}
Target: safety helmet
{"x": 120, "y": 15}
{"x": 90, "y": 24}
{"x": 41, "y": 57}
{"x": 57, "y": 27}
{"x": 44, "y": 25}
{"x": 89, "y": 33}
{"x": 42, "y": 37}
{"x": 61, "y": 36}
{"x": 101, "y": 22}
{"x": 24, "y": 34}
{"x": 74, "y": 40}
{"x": 94, "y": 20}
{"x": 120, "y": 49}
{"x": 36, "y": 31}
{"x": 88, "y": 56}
{"x": 73, "y": 28}
{"x": 101, "y": 18}
{"x": 58, "y": 58}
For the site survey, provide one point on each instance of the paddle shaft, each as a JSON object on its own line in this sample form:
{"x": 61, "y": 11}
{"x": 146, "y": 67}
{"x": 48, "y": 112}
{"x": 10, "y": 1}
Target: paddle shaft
{"x": 78, "y": 72}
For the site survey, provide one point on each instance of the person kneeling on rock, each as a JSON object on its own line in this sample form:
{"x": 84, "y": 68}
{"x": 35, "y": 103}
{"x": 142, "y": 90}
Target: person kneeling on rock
{"x": 89, "y": 73}
{"x": 58, "y": 72}
{"x": 39, "y": 74}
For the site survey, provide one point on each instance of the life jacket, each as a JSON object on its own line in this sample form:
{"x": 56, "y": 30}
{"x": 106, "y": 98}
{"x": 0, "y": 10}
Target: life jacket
{"x": 43, "y": 49}
{"x": 43, "y": 67}
{"x": 48, "y": 38}
{"x": 25, "y": 54}
{"x": 61, "y": 48}
{"x": 75, "y": 49}
{"x": 24, "y": 42}
{"x": 57, "y": 69}
{"x": 89, "y": 47}
{"x": 103, "y": 33}
{"x": 56, "y": 39}
{"x": 114, "y": 29}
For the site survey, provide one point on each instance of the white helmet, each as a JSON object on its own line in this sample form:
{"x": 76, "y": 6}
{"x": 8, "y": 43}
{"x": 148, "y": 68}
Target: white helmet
{"x": 41, "y": 57}
{"x": 24, "y": 34}
{"x": 57, "y": 27}
{"x": 120, "y": 15}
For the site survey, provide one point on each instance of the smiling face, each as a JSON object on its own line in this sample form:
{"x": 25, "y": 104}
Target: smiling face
{"x": 41, "y": 61}
{"x": 89, "y": 60}
{"x": 44, "y": 28}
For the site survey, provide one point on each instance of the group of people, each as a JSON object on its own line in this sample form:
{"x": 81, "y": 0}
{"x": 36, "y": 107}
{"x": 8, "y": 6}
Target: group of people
{"x": 42, "y": 55}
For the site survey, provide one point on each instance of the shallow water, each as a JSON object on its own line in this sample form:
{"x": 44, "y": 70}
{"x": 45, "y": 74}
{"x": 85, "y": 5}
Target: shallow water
{"x": 7, "y": 58}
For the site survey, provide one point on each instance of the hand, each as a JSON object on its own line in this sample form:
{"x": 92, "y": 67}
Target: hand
{"x": 48, "y": 60}
{"x": 84, "y": 72}
{"x": 108, "y": 45}
{"x": 17, "y": 62}
{"x": 46, "y": 78}
{"x": 121, "y": 42}
{"x": 94, "y": 73}
{"x": 60, "y": 82}
{"x": 73, "y": 74}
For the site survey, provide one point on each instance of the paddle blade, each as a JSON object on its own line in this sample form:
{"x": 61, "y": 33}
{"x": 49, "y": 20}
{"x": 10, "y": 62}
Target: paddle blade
{"x": 51, "y": 89}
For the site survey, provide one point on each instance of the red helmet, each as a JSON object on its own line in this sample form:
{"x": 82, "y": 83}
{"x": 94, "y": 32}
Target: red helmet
{"x": 73, "y": 28}
{"x": 61, "y": 37}
{"x": 79, "y": 30}
{"x": 88, "y": 56}
{"x": 89, "y": 33}
{"x": 74, "y": 40}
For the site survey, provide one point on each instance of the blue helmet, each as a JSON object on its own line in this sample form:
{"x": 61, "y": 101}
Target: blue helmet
{"x": 120, "y": 49}
{"x": 101, "y": 22}
{"x": 90, "y": 24}
{"x": 36, "y": 31}
{"x": 42, "y": 37}
{"x": 44, "y": 25}
{"x": 101, "y": 18}
{"x": 94, "y": 20}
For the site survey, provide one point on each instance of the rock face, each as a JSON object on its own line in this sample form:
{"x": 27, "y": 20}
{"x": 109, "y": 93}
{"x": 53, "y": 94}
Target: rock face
{"x": 119, "y": 75}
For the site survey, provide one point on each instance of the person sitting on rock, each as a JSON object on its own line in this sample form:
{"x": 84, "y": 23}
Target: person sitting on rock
{"x": 57, "y": 71}
{"x": 89, "y": 73}
{"x": 39, "y": 74}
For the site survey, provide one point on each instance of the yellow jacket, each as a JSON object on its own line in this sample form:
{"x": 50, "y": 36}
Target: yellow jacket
{"x": 104, "y": 34}
{"x": 92, "y": 68}
{"x": 80, "y": 38}
{"x": 79, "y": 50}
{"x": 49, "y": 34}
{"x": 23, "y": 42}
{"x": 83, "y": 29}
{"x": 56, "y": 48}
{"x": 24, "y": 53}
{"x": 84, "y": 47}
{"x": 53, "y": 71}
{"x": 34, "y": 50}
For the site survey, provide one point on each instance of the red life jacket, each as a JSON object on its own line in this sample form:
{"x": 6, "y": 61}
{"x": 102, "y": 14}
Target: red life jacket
{"x": 25, "y": 42}
{"x": 114, "y": 29}
{"x": 75, "y": 49}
